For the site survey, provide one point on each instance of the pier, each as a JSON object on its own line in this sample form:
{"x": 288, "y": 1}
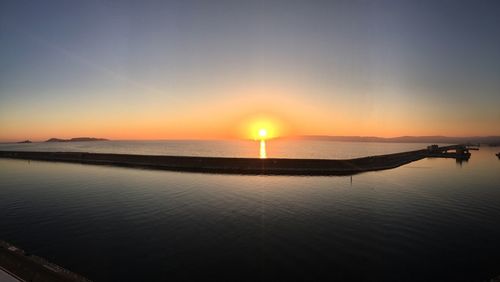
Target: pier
{"x": 459, "y": 152}
{"x": 269, "y": 166}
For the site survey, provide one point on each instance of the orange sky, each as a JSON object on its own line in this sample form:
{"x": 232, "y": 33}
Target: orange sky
{"x": 284, "y": 112}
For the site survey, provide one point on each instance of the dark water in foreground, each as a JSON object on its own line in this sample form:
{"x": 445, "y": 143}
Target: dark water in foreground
{"x": 432, "y": 220}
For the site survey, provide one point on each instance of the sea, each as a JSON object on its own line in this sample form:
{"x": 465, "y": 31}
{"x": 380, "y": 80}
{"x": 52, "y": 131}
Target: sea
{"x": 431, "y": 220}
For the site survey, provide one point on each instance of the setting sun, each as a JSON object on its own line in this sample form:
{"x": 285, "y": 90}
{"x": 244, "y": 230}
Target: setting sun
{"x": 263, "y": 127}
{"x": 263, "y": 133}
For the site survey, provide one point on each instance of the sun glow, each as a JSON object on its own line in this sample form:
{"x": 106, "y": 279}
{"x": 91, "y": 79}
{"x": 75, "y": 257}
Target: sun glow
{"x": 262, "y": 127}
{"x": 262, "y": 133}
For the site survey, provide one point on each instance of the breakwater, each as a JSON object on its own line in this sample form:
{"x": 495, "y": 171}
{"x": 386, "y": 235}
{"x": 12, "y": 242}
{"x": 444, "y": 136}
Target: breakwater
{"x": 270, "y": 166}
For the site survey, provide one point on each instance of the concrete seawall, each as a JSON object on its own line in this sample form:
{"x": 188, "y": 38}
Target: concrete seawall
{"x": 230, "y": 165}
{"x": 22, "y": 266}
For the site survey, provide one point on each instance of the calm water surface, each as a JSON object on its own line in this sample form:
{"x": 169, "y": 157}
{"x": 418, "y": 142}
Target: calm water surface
{"x": 431, "y": 220}
{"x": 217, "y": 148}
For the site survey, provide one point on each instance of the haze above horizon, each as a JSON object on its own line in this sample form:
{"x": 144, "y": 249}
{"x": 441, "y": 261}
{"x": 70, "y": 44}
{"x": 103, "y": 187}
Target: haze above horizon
{"x": 229, "y": 69}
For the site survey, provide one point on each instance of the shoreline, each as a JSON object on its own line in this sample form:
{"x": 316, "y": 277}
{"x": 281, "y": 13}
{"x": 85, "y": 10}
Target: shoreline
{"x": 22, "y": 266}
{"x": 251, "y": 166}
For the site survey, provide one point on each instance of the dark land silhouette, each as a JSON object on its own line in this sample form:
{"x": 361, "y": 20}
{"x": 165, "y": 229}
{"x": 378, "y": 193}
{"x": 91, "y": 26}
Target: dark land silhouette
{"x": 33, "y": 268}
{"x": 489, "y": 140}
{"x": 77, "y": 139}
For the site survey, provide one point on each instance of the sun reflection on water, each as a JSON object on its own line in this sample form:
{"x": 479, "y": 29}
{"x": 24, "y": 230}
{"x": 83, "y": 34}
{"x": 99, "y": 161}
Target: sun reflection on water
{"x": 263, "y": 153}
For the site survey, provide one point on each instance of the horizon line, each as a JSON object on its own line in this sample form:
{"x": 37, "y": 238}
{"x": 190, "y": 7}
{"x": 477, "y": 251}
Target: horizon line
{"x": 249, "y": 139}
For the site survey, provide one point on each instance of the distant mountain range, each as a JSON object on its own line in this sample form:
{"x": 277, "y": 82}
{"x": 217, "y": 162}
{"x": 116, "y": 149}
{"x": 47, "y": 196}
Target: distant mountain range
{"x": 78, "y": 139}
{"x": 493, "y": 140}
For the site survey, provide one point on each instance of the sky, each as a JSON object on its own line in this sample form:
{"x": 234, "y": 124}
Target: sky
{"x": 214, "y": 69}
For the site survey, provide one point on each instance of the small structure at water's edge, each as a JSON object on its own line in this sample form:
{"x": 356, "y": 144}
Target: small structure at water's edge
{"x": 433, "y": 148}
{"x": 26, "y": 267}
{"x": 269, "y": 166}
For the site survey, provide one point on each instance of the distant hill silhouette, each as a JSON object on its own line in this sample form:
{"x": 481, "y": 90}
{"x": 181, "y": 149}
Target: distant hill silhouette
{"x": 407, "y": 139}
{"x": 78, "y": 139}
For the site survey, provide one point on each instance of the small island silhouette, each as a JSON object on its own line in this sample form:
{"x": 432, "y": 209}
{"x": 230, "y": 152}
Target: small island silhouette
{"x": 77, "y": 139}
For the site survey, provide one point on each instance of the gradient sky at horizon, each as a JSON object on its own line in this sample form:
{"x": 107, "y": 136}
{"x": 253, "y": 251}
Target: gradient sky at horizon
{"x": 201, "y": 69}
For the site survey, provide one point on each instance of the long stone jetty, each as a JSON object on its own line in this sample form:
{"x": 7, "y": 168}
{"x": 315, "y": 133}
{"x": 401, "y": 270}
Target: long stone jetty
{"x": 268, "y": 166}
